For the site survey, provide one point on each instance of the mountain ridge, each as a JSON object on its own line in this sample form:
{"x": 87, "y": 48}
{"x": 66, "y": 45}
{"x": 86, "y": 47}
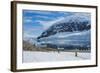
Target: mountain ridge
{"x": 68, "y": 24}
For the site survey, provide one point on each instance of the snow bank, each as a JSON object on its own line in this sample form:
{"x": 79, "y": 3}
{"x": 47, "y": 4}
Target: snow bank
{"x": 31, "y": 56}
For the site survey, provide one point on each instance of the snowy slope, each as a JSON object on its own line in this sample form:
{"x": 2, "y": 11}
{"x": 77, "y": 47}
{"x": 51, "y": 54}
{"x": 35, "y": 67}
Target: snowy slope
{"x": 29, "y": 56}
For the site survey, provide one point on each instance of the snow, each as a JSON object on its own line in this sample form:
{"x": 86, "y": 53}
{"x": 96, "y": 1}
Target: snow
{"x": 34, "y": 56}
{"x": 69, "y": 34}
{"x": 69, "y": 38}
{"x": 74, "y": 17}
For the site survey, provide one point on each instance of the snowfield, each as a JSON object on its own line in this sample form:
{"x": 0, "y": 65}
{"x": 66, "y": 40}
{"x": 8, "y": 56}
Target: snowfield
{"x": 33, "y": 56}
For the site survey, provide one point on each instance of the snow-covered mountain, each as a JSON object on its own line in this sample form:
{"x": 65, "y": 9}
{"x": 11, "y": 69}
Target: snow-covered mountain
{"x": 72, "y": 31}
{"x": 76, "y": 22}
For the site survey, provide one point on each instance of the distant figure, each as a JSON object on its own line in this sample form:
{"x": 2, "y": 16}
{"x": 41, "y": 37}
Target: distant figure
{"x": 76, "y": 52}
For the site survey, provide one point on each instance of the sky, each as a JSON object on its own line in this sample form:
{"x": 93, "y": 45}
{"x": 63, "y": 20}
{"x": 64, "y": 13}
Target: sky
{"x": 35, "y": 21}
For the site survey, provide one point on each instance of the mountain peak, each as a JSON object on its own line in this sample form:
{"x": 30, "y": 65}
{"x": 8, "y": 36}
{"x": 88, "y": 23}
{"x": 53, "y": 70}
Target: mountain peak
{"x": 75, "y": 22}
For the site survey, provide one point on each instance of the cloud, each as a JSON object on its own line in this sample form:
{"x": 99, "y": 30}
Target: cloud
{"x": 39, "y": 12}
{"x": 27, "y": 17}
{"x": 60, "y": 19}
{"x": 32, "y": 32}
{"x": 47, "y": 24}
{"x": 28, "y": 20}
{"x": 28, "y": 34}
{"x": 45, "y": 12}
{"x": 43, "y": 17}
{"x": 37, "y": 18}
